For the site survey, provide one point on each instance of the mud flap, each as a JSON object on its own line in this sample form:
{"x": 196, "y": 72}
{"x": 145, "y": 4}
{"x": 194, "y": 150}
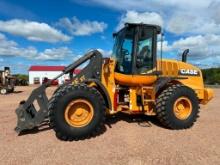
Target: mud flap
{"x": 27, "y": 115}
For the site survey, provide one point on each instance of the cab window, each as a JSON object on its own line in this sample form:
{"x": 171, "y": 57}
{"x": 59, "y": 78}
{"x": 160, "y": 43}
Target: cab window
{"x": 123, "y": 50}
{"x": 144, "y": 58}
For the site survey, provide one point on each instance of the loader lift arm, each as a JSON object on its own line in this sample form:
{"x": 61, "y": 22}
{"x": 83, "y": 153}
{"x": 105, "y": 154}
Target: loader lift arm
{"x": 27, "y": 115}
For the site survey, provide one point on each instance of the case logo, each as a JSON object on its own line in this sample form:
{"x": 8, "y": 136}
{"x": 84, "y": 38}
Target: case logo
{"x": 191, "y": 72}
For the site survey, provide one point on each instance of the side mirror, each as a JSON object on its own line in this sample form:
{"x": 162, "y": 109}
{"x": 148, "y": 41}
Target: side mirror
{"x": 114, "y": 35}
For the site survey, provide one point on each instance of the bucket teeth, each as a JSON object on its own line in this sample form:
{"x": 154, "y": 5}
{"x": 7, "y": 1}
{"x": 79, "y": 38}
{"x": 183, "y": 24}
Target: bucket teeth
{"x": 18, "y": 130}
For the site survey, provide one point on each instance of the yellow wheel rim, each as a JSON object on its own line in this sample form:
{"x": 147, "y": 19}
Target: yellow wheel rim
{"x": 79, "y": 113}
{"x": 182, "y": 108}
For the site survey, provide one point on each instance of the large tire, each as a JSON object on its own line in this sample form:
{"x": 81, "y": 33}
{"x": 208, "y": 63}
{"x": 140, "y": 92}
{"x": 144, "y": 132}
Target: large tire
{"x": 3, "y": 91}
{"x": 169, "y": 114}
{"x": 11, "y": 89}
{"x": 59, "y": 88}
{"x": 59, "y": 105}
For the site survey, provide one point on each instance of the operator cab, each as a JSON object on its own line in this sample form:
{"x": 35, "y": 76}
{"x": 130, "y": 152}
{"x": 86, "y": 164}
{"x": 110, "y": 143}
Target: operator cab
{"x": 135, "y": 48}
{"x": 135, "y": 52}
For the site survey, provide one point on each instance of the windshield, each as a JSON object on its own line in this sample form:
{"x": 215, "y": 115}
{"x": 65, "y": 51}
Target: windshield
{"x": 123, "y": 49}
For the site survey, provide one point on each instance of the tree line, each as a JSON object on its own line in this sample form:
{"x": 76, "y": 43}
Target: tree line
{"x": 211, "y": 76}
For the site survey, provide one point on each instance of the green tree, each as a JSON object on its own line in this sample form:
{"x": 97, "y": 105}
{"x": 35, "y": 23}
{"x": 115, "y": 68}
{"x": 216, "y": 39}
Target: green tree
{"x": 211, "y": 76}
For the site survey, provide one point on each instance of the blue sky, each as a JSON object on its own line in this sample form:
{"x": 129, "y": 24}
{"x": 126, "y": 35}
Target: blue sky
{"x": 40, "y": 32}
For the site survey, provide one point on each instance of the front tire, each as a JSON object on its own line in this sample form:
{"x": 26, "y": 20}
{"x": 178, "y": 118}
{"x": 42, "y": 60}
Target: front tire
{"x": 177, "y": 107}
{"x": 76, "y": 112}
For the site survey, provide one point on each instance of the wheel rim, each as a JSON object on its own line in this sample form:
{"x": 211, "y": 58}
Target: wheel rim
{"x": 79, "y": 113}
{"x": 3, "y": 91}
{"x": 182, "y": 108}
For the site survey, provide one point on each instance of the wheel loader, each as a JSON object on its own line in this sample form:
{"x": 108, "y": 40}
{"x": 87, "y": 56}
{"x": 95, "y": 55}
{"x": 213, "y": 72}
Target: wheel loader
{"x": 7, "y": 81}
{"x": 133, "y": 81}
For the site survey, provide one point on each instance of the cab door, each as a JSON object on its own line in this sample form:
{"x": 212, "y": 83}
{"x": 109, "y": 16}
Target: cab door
{"x": 145, "y": 55}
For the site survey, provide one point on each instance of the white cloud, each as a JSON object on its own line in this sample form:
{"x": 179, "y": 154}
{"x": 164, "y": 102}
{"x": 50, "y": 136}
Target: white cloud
{"x": 165, "y": 47}
{"x": 105, "y": 53}
{"x": 207, "y": 62}
{"x": 201, "y": 47}
{"x": 195, "y": 18}
{"x": 34, "y": 31}
{"x": 141, "y": 5}
{"x": 214, "y": 10}
{"x": 81, "y": 28}
{"x": 180, "y": 16}
{"x": 11, "y": 48}
{"x": 54, "y": 54}
{"x": 142, "y": 17}
{"x": 190, "y": 23}
{"x": 151, "y": 5}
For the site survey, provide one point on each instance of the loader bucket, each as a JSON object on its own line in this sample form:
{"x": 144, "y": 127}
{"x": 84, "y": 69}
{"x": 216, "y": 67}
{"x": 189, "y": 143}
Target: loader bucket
{"x": 27, "y": 115}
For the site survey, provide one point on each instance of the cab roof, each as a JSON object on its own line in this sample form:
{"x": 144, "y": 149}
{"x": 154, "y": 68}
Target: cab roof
{"x": 157, "y": 27}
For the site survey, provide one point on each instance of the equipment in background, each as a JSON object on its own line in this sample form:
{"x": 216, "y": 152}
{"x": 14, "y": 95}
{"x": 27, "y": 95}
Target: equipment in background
{"x": 21, "y": 82}
{"x": 7, "y": 81}
{"x": 54, "y": 82}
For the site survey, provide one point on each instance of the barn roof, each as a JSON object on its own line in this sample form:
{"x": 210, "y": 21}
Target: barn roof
{"x": 46, "y": 68}
{"x": 50, "y": 68}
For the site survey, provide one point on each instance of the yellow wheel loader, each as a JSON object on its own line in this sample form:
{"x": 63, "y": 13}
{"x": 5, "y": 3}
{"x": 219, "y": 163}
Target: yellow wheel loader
{"x": 133, "y": 81}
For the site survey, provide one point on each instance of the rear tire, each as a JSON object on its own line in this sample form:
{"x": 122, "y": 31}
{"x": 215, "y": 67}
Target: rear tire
{"x": 11, "y": 90}
{"x": 65, "y": 128}
{"x": 183, "y": 116}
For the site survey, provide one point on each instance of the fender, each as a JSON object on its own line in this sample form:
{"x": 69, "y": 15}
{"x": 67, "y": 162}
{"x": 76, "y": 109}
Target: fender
{"x": 102, "y": 90}
{"x": 163, "y": 81}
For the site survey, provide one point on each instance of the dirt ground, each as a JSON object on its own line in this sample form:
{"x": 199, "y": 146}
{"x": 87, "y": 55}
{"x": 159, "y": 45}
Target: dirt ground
{"x": 126, "y": 140}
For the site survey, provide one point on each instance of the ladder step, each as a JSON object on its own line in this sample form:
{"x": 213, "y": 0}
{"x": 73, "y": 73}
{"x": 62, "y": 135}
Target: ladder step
{"x": 147, "y": 101}
{"x": 146, "y": 87}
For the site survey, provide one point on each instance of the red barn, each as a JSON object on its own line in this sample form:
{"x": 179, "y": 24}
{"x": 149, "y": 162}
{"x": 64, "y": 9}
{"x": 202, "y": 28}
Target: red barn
{"x": 38, "y": 73}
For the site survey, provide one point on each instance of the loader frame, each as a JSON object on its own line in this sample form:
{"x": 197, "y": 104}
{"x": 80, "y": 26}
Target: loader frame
{"x": 27, "y": 115}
